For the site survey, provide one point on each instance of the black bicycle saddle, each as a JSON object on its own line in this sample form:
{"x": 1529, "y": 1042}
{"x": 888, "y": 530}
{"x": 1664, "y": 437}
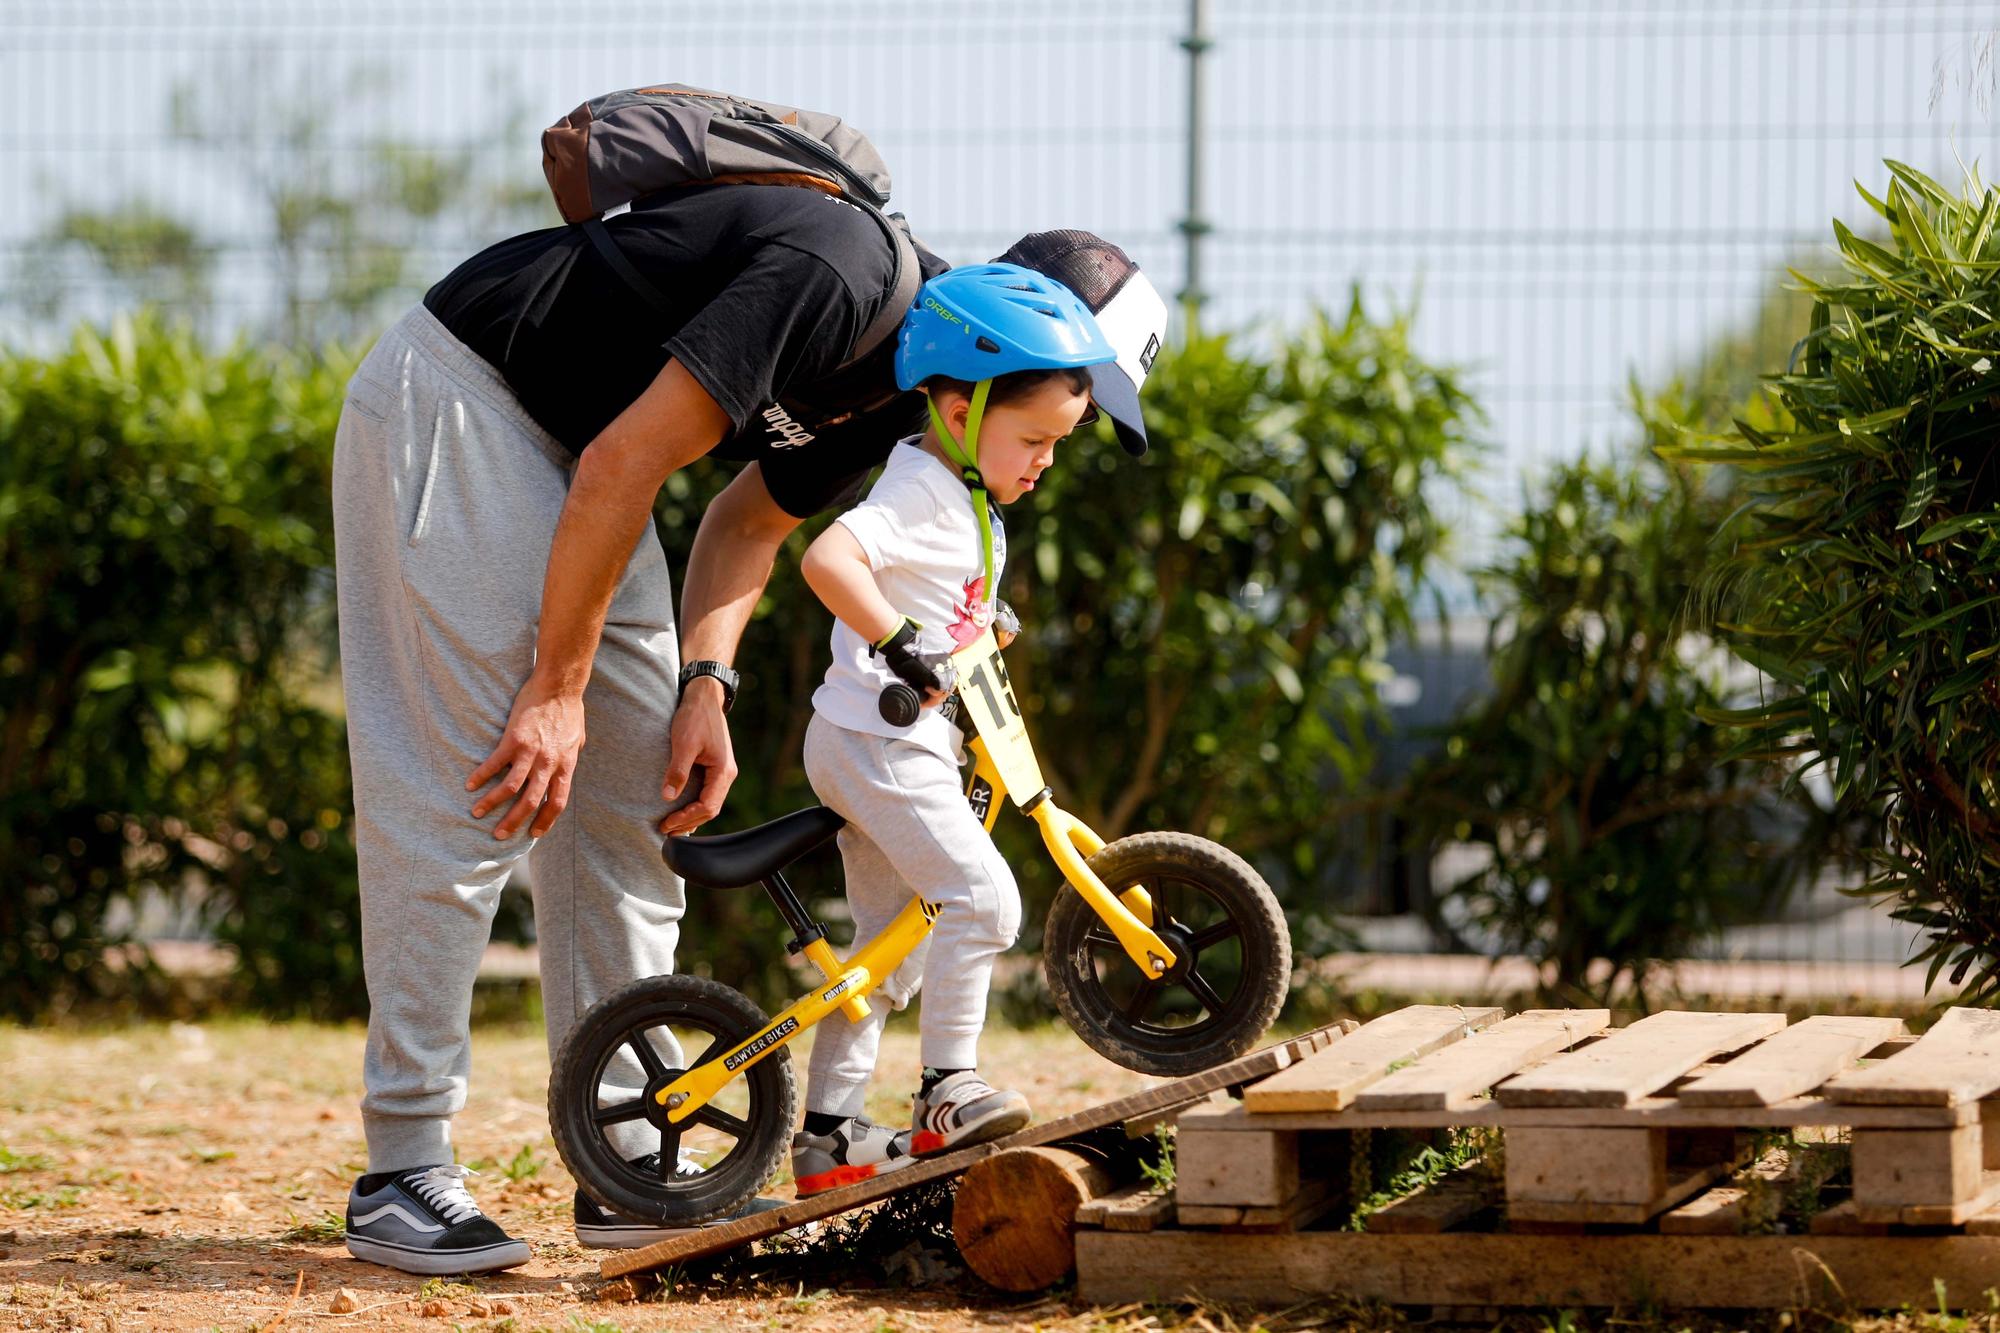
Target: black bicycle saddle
{"x": 731, "y": 860}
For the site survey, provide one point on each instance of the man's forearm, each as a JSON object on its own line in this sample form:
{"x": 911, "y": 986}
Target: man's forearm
{"x": 734, "y": 551}
{"x": 600, "y": 524}
{"x": 610, "y": 502}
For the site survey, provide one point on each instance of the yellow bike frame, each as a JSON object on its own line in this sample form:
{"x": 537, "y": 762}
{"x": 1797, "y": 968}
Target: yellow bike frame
{"x": 1004, "y": 764}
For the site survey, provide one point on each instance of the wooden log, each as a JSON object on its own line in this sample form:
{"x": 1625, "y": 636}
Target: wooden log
{"x": 1957, "y": 1060}
{"x": 1464, "y": 1268}
{"x": 1014, "y": 1212}
{"x": 1635, "y": 1061}
{"x": 1791, "y": 1063}
{"x": 1451, "y": 1078}
{"x": 1329, "y": 1080}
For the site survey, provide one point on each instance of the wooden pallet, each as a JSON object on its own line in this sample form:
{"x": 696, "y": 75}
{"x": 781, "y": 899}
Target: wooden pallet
{"x": 1647, "y": 1131}
{"x": 1138, "y": 1111}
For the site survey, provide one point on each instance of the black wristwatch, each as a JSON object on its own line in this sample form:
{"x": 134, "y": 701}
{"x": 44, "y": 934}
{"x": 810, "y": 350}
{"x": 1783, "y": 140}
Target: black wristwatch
{"x": 727, "y": 678}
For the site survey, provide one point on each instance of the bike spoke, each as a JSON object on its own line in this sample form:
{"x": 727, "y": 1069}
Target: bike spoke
{"x": 717, "y": 1118}
{"x": 1142, "y": 1000}
{"x": 670, "y": 1152}
{"x": 1204, "y": 992}
{"x": 1097, "y": 937}
{"x": 649, "y": 1059}
{"x": 1225, "y": 929}
{"x": 721, "y": 1043}
{"x": 619, "y": 1114}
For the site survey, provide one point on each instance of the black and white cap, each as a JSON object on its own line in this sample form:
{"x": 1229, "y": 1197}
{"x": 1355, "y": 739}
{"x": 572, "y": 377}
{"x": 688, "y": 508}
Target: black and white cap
{"x": 1128, "y": 309}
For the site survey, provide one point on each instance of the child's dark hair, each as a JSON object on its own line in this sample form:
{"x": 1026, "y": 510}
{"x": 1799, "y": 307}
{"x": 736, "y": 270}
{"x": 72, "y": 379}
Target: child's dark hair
{"x": 1014, "y": 385}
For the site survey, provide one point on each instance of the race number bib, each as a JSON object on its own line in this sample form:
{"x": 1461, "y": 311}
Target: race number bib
{"x": 986, "y": 693}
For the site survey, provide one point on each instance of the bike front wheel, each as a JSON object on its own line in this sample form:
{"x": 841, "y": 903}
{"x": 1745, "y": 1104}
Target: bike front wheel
{"x": 607, "y": 1123}
{"x": 1233, "y": 968}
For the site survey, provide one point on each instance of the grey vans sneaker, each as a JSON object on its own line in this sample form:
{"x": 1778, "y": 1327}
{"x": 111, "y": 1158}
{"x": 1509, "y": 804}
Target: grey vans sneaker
{"x": 423, "y": 1220}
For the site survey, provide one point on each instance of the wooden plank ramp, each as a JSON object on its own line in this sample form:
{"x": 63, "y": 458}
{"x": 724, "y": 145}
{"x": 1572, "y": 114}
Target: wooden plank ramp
{"x": 1453, "y": 1077}
{"x": 1331, "y": 1079}
{"x": 718, "y": 1237}
{"x": 1793, "y": 1062}
{"x": 1957, "y": 1060}
{"x": 1636, "y": 1061}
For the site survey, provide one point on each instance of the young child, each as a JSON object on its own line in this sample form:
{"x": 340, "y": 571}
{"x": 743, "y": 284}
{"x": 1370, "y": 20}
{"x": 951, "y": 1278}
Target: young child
{"x": 910, "y": 575}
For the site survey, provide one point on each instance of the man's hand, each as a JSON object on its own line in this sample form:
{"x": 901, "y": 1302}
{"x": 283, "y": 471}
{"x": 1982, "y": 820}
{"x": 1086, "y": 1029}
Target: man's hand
{"x": 537, "y": 754}
{"x": 699, "y": 739}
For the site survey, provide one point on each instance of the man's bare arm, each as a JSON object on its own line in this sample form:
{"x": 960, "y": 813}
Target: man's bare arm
{"x": 610, "y": 501}
{"x": 734, "y": 550}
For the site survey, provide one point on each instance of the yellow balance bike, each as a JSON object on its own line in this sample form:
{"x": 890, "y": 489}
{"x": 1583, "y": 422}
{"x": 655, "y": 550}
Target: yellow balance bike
{"x": 1166, "y": 953}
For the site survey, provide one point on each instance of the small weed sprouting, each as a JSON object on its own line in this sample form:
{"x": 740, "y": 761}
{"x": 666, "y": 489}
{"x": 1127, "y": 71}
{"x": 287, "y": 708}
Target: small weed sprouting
{"x": 208, "y": 1156}
{"x": 325, "y": 1229}
{"x": 522, "y": 1165}
{"x": 446, "y": 1289}
{"x": 1157, "y": 1171}
{"x": 10, "y": 1162}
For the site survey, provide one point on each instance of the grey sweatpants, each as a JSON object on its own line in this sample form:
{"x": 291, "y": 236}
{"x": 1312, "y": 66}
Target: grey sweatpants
{"x": 909, "y": 832}
{"x": 445, "y": 500}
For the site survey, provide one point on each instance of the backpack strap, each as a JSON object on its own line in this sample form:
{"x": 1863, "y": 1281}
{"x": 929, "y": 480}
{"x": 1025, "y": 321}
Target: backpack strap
{"x": 909, "y": 277}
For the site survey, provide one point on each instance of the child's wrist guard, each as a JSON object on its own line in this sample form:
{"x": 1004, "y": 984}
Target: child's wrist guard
{"x": 922, "y": 669}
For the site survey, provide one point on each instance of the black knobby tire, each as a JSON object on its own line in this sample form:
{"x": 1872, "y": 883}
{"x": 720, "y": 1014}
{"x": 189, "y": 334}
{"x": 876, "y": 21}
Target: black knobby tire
{"x": 1196, "y": 1019}
{"x": 759, "y": 1131}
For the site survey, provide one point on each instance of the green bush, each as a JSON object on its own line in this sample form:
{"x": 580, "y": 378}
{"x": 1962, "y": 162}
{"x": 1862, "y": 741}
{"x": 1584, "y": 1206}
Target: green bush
{"x": 1863, "y": 573}
{"x": 165, "y": 542}
{"x": 1202, "y": 629}
{"x": 1618, "y": 827}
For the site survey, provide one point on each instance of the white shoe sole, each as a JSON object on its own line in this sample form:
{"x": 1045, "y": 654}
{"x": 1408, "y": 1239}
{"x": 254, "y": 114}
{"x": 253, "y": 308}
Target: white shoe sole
{"x": 435, "y": 1263}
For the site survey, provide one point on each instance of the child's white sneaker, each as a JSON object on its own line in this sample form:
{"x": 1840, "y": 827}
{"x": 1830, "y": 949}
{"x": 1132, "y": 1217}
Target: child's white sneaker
{"x": 858, "y": 1150}
{"x": 961, "y": 1109}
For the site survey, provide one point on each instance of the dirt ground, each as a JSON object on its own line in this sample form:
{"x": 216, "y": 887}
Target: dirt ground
{"x": 194, "y": 1177}
{"x": 184, "y": 1177}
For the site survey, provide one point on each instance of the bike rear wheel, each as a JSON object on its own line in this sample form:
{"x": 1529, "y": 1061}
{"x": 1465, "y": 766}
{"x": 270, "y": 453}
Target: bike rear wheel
{"x": 1233, "y": 969}
{"x": 667, "y": 1025}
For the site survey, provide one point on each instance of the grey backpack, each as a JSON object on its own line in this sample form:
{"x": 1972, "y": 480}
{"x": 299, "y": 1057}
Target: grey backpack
{"x": 626, "y": 145}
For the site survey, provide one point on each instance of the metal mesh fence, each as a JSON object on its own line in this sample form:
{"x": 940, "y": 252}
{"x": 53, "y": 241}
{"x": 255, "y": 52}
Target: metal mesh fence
{"x": 1569, "y": 194}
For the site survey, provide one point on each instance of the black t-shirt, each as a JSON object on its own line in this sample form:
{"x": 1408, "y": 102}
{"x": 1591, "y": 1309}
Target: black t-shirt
{"x": 772, "y": 285}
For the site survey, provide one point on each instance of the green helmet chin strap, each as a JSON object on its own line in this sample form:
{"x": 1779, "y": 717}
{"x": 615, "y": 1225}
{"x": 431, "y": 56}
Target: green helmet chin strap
{"x": 966, "y": 455}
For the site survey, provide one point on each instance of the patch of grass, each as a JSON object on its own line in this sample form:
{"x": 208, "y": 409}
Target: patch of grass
{"x": 22, "y": 1200}
{"x": 325, "y": 1229}
{"x": 207, "y": 1156}
{"x": 10, "y": 1162}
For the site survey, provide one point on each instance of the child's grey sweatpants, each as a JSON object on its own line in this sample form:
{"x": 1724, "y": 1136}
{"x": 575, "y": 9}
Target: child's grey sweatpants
{"x": 445, "y": 500}
{"x": 909, "y": 833}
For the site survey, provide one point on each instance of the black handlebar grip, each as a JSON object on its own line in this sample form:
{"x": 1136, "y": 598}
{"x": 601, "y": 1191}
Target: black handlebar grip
{"x": 899, "y": 705}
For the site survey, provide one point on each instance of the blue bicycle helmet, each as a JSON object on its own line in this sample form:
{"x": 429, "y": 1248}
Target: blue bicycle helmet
{"x": 983, "y": 320}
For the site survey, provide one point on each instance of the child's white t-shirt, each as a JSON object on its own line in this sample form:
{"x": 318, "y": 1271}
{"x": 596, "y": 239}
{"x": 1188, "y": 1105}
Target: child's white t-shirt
{"x": 921, "y": 538}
